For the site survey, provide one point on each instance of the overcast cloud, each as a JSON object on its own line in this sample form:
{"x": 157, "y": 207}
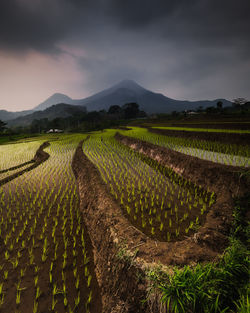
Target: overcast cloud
{"x": 185, "y": 49}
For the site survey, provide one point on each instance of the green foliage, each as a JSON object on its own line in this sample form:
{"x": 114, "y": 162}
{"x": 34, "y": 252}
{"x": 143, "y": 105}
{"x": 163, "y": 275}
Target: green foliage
{"x": 212, "y": 288}
{"x": 243, "y": 305}
{"x": 208, "y": 288}
{"x": 2, "y": 126}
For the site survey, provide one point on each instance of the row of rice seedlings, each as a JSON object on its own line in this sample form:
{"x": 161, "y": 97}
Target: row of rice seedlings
{"x": 42, "y": 232}
{"x": 11, "y": 172}
{"x": 18, "y": 153}
{"x": 227, "y": 154}
{"x": 159, "y": 203}
{"x": 207, "y": 130}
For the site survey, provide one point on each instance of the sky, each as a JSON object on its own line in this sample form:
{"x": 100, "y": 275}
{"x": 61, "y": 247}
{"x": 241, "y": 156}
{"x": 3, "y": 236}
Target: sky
{"x": 185, "y": 49}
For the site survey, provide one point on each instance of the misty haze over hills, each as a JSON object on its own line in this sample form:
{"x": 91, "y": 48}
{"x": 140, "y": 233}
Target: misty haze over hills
{"x": 124, "y": 92}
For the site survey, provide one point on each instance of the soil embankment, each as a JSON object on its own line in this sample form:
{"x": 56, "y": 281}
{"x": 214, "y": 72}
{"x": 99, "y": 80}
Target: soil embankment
{"x": 107, "y": 228}
{"x": 225, "y": 180}
{"x": 16, "y": 167}
{"x": 234, "y": 125}
{"x": 40, "y": 157}
{"x": 122, "y": 252}
{"x": 227, "y": 138}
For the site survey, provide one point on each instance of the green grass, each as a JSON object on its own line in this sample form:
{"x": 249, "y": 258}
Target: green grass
{"x": 209, "y": 130}
{"x": 212, "y": 288}
{"x": 12, "y": 138}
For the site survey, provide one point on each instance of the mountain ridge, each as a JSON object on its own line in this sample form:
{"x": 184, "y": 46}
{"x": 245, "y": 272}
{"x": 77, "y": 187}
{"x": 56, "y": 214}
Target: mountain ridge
{"x": 60, "y": 110}
{"x": 123, "y": 92}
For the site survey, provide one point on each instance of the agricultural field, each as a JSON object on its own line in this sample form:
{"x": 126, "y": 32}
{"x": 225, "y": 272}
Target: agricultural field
{"x": 155, "y": 200}
{"x": 170, "y": 209}
{"x": 17, "y": 154}
{"x": 46, "y": 260}
{"x": 209, "y": 130}
{"x": 228, "y": 154}
{"x": 50, "y": 262}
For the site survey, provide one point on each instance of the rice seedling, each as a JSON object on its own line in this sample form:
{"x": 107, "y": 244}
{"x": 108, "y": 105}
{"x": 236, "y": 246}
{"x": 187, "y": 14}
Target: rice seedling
{"x": 39, "y": 222}
{"x": 153, "y": 198}
{"x": 228, "y": 154}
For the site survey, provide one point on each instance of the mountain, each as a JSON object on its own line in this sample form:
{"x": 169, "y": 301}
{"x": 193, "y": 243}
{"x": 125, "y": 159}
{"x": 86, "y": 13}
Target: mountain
{"x": 54, "y": 99}
{"x": 6, "y": 115}
{"x": 124, "y": 92}
{"x": 58, "y": 110}
{"x": 129, "y": 91}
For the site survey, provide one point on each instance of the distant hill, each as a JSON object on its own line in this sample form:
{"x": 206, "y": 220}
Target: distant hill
{"x": 58, "y": 110}
{"x": 54, "y": 99}
{"x": 129, "y": 91}
{"x": 6, "y": 115}
{"x": 124, "y": 92}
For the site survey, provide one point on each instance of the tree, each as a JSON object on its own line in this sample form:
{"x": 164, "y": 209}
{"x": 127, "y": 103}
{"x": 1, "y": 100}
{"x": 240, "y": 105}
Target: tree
{"x": 131, "y": 110}
{"x": 199, "y": 109}
{"x": 2, "y": 126}
{"x": 114, "y": 109}
{"x": 211, "y": 110}
{"x": 219, "y": 104}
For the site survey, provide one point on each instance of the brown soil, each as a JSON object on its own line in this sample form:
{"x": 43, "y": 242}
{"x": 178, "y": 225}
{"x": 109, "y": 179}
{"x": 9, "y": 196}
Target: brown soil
{"x": 16, "y": 167}
{"x": 175, "y": 203}
{"x": 224, "y": 180}
{"x": 112, "y": 234}
{"x": 228, "y": 138}
{"x": 40, "y": 157}
{"x": 215, "y": 125}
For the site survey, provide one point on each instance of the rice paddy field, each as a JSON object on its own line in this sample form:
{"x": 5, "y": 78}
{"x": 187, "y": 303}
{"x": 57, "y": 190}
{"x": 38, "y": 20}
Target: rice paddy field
{"x": 45, "y": 254}
{"x": 227, "y": 154}
{"x": 209, "y": 130}
{"x": 48, "y": 256}
{"x": 158, "y": 202}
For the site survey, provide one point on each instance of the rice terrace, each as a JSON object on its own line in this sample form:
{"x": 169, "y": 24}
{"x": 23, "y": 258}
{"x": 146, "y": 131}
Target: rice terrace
{"x": 124, "y": 156}
{"x": 150, "y": 216}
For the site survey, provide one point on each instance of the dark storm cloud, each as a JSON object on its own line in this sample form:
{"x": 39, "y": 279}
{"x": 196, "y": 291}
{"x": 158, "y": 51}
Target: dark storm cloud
{"x": 41, "y": 24}
{"x": 205, "y": 20}
{"x": 155, "y": 42}
{"x": 38, "y": 24}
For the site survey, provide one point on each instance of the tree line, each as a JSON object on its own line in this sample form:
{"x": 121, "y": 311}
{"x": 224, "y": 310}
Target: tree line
{"x": 84, "y": 121}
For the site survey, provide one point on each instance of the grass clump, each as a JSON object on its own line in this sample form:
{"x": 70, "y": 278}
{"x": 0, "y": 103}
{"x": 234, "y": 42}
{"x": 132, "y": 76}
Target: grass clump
{"x": 212, "y": 288}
